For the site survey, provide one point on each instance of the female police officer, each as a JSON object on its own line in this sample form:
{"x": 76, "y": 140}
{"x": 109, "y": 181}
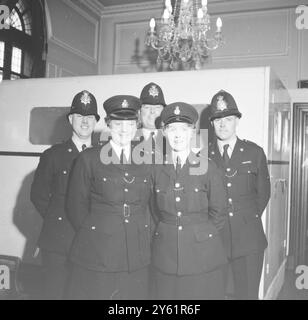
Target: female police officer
{"x": 107, "y": 205}
{"x": 187, "y": 250}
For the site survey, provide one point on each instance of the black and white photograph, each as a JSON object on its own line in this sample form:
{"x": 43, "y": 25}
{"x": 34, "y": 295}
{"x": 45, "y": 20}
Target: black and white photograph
{"x": 154, "y": 151}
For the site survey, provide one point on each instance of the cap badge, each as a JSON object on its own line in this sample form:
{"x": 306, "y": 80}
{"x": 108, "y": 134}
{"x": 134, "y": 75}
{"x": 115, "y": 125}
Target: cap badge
{"x": 221, "y": 103}
{"x": 153, "y": 91}
{"x": 124, "y": 104}
{"x": 177, "y": 111}
{"x": 85, "y": 98}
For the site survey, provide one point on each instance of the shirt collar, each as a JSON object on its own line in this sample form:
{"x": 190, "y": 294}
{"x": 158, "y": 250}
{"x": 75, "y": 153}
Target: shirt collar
{"x": 183, "y": 156}
{"x": 118, "y": 149}
{"x": 79, "y": 143}
{"x": 147, "y": 133}
{"x": 230, "y": 143}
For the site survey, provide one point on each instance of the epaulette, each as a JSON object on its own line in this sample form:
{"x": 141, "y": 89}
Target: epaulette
{"x": 251, "y": 143}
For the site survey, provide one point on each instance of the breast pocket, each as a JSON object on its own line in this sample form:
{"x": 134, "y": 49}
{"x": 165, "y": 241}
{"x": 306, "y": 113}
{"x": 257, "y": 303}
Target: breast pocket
{"x": 197, "y": 199}
{"x": 243, "y": 179}
{"x": 107, "y": 188}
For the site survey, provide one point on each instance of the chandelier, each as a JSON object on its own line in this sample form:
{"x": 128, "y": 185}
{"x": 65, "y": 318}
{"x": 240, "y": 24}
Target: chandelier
{"x": 183, "y": 34}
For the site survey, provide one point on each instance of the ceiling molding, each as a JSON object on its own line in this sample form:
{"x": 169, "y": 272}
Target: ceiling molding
{"x": 133, "y": 8}
{"x": 94, "y": 5}
{"x": 215, "y": 6}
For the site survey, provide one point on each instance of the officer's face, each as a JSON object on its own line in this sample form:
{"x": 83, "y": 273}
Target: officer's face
{"x": 123, "y": 131}
{"x": 149, "y": 113}
{"x": 179, "y": 135}
{"x": 225, "y": 128}
{"x": 83, "y": 126}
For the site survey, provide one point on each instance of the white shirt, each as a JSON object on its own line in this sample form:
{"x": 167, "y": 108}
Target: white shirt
{"x": 118, "y": 150}
{"x": 230, "y": 148}
{"x": 183, "y": 157}
{"x": 147, "y": 133}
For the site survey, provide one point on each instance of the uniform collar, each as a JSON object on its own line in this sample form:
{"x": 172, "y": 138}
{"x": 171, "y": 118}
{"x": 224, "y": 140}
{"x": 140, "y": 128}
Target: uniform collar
{"x": 78, "y": 144}
{"x": 183, "y": 155}
{"x": 231, "y": 144}
{"x": 118, "y": 149}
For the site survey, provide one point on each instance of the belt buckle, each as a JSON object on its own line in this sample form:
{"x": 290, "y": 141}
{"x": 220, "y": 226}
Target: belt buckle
{"x": 126, "y": 210}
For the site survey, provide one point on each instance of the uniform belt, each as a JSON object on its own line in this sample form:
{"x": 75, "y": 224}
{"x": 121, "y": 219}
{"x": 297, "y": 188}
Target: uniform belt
{"x": 125, "y": 210}
{"x": 185, "y": 219}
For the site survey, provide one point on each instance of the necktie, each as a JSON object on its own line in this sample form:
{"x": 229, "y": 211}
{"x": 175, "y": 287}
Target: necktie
{"x": 83, "y": 147}
{"x": 225, "y": 154}
{"x": 178, "y": 165}
{"x": 122, "y": 157}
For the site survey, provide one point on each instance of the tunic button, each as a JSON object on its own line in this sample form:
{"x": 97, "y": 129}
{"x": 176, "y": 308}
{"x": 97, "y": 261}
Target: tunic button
{"x": 64, "y": 172}
{"x": 157, "y": 190}
{"x": 231, "y": 214}
{"x": 177, "y": 199}
{"x": 229, "y": 185}
{"x": 126, "y": 174}
{"x": 93, "y": 228}
{"x": 210, "y": 235}
{"x": 179, "y": 214}
{"x": 230, "y": 200}
{"x": 156, "y": 233}
{"x": 145, "y": 180}
{"x": 257, "y": 216}
{"x": 177, "y": 185}
{"x": 105, "y": 179}
{"x": 70, "y": 150}
{"x": 126, "y": 190}
{"x": 126, "y": 221}
{"x": 180, "y": 228}
{"x": 196, "y": 190}
{"x": 146, "y": 225}
{"x": 60, "y": 218}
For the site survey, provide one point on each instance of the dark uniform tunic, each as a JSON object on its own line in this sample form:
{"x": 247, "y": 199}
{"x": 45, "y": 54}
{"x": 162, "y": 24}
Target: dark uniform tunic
{"x": 247, "y": 184}
{"x": 187, "y": 248}
{"x": 107, "y": 205}
{"x": 48, "y": 196}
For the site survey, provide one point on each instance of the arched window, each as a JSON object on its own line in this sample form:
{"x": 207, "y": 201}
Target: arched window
{"x": 23, "y": 45}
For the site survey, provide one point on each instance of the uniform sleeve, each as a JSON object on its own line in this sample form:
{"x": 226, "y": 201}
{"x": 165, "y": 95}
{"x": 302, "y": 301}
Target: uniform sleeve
{"x": 216, "y": 197}
{"x": 78, "y": 193}
{"x": 263, "y": 183}
{"x": 42, "y": 183}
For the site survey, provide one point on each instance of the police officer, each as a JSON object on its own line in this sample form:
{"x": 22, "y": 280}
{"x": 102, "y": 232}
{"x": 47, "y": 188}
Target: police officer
{"x": 107, "y": 205}
{"x": 188, "y": 253}
{"x": 49, "y": 189}
{"x": 247, "y": 184}
{"x": 152, "y": 103}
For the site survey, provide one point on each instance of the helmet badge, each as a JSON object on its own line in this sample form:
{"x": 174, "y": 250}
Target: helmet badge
{"x": 153, "y": 91}
{"x": 85, "y": 98}
{"x": 221, "y": 103}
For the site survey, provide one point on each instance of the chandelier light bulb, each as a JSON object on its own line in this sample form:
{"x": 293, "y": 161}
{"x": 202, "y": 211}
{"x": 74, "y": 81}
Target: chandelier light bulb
{"x": 152, "y": 24}
{"x": 168, "y": 5}
{"x": 218, "y": 24}
{"x": 166, "y": 14}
